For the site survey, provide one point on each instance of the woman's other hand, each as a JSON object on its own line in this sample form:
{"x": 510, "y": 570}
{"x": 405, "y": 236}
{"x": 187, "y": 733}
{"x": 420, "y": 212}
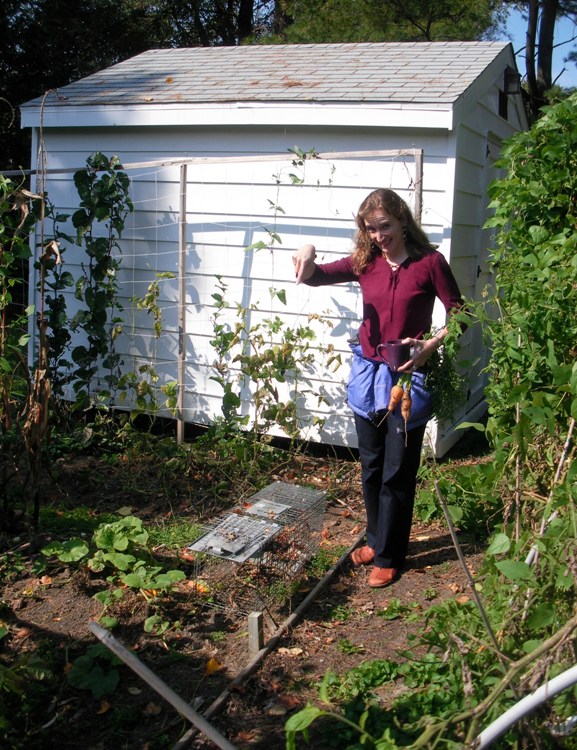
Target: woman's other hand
{"x": 422, "y": 350}
{"x": 304, "y": 262}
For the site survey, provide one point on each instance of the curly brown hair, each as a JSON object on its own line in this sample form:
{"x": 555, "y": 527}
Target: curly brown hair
{"x": 416, "y": 240}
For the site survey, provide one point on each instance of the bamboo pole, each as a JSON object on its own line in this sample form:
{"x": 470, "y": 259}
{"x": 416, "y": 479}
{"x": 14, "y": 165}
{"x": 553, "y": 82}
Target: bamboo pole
{"x": 328, "y": 155}
{"x": 159, "y": 686}
{"x": 418, "y": 185}
{"x": 181, "y": 306}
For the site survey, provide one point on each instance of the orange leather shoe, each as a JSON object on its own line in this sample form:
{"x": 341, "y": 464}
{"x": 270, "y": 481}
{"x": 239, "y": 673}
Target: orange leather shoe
{"x": 363, "y": 555}
{"x": 380, "y": 577}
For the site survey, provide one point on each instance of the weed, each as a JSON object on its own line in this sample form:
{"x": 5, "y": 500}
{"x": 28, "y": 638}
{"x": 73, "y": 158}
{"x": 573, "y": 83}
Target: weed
{"x": 11, "y": 565}
{"x": 340, "y": 613}
{"x": 359, "y": 681}
{"x": 347, "y": 647}
{"x": 96, "y": 671}
{"x": 323, "y": 560}
{"x": 174, "y": 534}
{"x": 79, "y": 520}
{"x": 395, "y": 610}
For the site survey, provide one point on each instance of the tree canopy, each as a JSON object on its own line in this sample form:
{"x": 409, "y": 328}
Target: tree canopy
{"x": 49, "y": 43}
{"x": 395, "y": 20}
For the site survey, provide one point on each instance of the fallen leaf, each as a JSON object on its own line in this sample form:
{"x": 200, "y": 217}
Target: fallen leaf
{"x": 212, "y": 666}
{"x": 134, "y": 691}
{"x": 355, "y": 530}
{"x": 152, "y": 709}
{"x": 346, "y": 513}
{"x": 339, "y": 587}
{"x": 295, "y": 651}
{"x": 45, "y": 580}
{"x": 104, "y": 706}
{"x": 275, "y": 709}
{"x": 463, "y": 599}
{"x": 289, "y": 701}
{"x": 249, "y": 736}
{"x": 201, "y": 587}
{"x": 454, "y": 587}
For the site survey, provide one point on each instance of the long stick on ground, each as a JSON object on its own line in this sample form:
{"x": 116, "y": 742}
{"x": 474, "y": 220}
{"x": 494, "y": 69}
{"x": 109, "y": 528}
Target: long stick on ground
{"x": 161, "y": 687}
{"x": 253, "y": 665}
{"x": 470, "y": 579}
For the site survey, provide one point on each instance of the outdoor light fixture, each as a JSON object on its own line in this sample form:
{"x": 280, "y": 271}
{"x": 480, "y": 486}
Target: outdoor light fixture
{"x": 512, "y": 81}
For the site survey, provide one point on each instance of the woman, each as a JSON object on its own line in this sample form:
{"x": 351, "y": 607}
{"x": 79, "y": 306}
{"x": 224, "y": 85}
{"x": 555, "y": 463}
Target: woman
{"x": 400, "y": 273}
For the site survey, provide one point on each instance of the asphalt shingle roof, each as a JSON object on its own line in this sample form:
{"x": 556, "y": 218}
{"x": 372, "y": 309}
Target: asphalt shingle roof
{"x": 416, "y": 72}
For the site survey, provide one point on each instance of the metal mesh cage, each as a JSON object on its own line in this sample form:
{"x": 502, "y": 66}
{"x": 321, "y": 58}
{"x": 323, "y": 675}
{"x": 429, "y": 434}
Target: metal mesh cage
{"x": 248, "y": 558}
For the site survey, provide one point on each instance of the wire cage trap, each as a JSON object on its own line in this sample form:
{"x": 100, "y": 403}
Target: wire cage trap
{"x": 249, "y": 558}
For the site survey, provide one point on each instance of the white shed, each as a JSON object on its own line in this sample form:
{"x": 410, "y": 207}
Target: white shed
{"x": 426, "y": 119}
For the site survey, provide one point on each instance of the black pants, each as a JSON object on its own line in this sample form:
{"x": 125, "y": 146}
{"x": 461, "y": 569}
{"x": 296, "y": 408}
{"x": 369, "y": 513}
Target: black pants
{"x": 389, "y": 478}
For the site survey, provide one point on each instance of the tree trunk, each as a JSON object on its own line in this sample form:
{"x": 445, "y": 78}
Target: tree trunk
{"x": 542, "y": 15}
{"x": 549, "y": 10}
{"x": 245, "y": 19}
{"x": 532, "y": 23}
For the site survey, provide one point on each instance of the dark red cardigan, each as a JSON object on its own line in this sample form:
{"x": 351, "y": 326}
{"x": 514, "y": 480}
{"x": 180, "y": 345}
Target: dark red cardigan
{"x": 396, "y": 304}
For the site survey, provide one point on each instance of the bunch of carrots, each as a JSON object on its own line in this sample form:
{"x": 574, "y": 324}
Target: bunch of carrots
{"x": 401, "y": 393}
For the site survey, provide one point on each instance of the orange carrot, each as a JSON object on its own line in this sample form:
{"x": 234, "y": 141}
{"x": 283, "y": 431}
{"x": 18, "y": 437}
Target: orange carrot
{"x": 406, "y": 406}
{"x": 396, "y": 396}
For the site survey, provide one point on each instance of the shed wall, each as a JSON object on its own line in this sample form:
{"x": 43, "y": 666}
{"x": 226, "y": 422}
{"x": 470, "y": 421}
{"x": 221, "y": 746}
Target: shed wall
{"x": 478, "y": 140}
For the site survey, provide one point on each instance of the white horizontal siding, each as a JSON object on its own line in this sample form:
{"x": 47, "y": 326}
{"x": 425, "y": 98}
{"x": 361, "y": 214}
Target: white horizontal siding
{"x": 228, "y": 208}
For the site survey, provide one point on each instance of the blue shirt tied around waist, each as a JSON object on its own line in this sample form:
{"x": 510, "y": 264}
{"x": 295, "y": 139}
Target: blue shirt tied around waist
{"x": 369, "y": 390}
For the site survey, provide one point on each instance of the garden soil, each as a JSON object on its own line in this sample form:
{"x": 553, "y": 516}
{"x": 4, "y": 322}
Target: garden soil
{"x": 49, "y": 611}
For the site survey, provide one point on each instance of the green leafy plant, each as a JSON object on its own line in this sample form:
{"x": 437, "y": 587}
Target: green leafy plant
{"x": 23, "y": 397}
{"x": 265, "y": 355}
{"x": 21, "y": 683}
{"x": 345, "y": 646}
{"x": 446, "y": 378}
{"x": 395, "y": 610}
{"x": 104, "y": 198}
{"x": 121, "y": 547}
{"x": 144, "y": 383}
{"x": 96, "y": 670}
